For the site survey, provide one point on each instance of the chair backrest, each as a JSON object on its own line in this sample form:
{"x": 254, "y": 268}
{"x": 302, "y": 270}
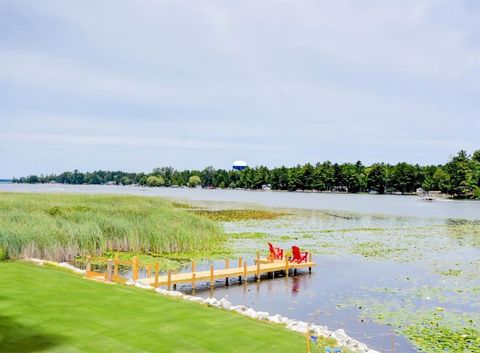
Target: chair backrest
{"x": 272, "y": 250}
{"x": 295, "y": 252}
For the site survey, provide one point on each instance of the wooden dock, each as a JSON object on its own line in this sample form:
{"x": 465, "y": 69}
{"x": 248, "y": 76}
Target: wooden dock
{"x": 242, "y": 271}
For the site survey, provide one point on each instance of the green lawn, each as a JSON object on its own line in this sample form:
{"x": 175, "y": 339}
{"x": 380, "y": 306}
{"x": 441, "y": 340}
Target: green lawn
{"x": 44, "y": 309}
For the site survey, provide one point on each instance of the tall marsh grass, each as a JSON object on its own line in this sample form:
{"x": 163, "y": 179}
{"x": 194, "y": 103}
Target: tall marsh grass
{"x": 60, "y": 227}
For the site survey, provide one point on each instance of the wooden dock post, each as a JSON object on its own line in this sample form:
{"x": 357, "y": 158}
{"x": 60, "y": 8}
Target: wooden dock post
{"x": 135, "y": 268}
{"x": 193, "y": 266}
{"x": 257, "y": 275}
{"x": 115, "y": 265}
{"x": 240, "y": 260}
{"x": 309, "y": 260}
{"x": 108, "y": 274}
{"x": 212, "y": 278}
{"x": 157, "y": 269}
{"x": 227, "y": 265}
{"x": 149, "y": 271}
{"x": 245, "y": 272}
{"x": 194, "y": 278}
{"x": 169, "y": 280}
{"x": 286, "y": 267}
{"x": 88, "y": 269}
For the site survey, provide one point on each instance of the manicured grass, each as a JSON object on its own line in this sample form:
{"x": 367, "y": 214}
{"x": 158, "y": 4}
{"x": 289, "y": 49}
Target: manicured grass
{"x": 47, "y": 310}
{"x": 60, "y": 227}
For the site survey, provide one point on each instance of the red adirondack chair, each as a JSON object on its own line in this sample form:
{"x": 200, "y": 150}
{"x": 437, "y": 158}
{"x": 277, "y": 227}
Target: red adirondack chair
{"x": 298, "y": 256}
{"x": 275, "y": 253}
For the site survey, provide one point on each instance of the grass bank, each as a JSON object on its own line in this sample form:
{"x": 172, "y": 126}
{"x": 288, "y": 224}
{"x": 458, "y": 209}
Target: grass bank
{"x": 60, "y": 227}
{"x": 48, "y": 310}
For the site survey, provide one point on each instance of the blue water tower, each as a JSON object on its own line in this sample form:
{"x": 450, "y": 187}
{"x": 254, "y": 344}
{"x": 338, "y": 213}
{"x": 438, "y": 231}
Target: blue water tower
{"x": 239, "y": 165}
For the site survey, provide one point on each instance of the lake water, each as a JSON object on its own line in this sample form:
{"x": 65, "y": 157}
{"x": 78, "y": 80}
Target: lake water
{"x": 362, "y": 203}
{"x": 384, "y": 262}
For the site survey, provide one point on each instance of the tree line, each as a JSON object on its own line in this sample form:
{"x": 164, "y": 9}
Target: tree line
{"x": 460, "y": 177}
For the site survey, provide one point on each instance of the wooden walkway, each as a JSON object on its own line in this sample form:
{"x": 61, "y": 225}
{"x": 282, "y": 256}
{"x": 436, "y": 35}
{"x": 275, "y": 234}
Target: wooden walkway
{"x": 211, "y": 275}
{"x": 242, "y": 271}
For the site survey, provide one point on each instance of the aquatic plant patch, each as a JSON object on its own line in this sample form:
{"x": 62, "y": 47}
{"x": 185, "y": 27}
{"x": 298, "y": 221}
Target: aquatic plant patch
{"x": 375, "y": 249}
{"x": 238, "y": 215}
{"x": 248, "y": 235}
{"x": 450, "y": 272}
{"x": 433, "y": 330}
{"x": 434, "y": 338}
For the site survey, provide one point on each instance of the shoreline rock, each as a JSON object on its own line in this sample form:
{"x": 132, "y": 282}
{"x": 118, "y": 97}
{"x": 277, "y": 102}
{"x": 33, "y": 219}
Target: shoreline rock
{"x": 57, "y": 264}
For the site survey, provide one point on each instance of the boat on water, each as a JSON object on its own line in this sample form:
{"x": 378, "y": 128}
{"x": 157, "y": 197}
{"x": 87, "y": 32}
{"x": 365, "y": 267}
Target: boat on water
{"x": 428, "y": 198}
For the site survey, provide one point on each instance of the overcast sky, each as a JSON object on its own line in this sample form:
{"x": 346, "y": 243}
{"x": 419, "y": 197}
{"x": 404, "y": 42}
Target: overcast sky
{"x": 133, "y": 85}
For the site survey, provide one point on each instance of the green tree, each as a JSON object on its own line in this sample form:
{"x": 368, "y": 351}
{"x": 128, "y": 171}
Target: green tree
{"x": 208, "y": 176}
{"x": 323, "y": 176}
{"x": 165, "y": 173}
{"x": 125, "y": 180}
{"x": 352, "y": 177}
{"x": 403, "y": 178}
{"x": 377, "y": 178}
{"x": 441, "y": 181}
{"x": 234, "y": 178}
{"x": 194, "y": 181}
{"x": 461, "y": 170}
{"x": 295, "y": 178}
{"x": 307, "y": 176}
{"x": 153, "y": 180}
{"x": 221, "y": 178}
{"x": 476, "y": 156}
{"x": 261, "y": 177}
{"x": 279, "y": 178}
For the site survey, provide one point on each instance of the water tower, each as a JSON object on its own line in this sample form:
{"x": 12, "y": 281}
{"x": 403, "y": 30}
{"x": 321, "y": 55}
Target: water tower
{"x": 239, "y": 165}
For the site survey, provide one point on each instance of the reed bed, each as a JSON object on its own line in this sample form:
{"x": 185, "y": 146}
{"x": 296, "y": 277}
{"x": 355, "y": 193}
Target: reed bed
{"x": 61, "y": 227}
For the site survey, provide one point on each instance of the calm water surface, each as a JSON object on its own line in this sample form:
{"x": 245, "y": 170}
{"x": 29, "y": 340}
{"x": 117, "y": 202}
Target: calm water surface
{"x": 364, "y": 203}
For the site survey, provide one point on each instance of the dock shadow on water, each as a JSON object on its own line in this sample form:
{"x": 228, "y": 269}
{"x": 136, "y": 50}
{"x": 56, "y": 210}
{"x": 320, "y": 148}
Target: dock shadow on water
{"x": 18, "y": 337}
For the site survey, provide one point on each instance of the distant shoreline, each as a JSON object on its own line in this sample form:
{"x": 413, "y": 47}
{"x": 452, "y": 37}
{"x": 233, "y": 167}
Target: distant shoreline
{"x": 232, "y": 189}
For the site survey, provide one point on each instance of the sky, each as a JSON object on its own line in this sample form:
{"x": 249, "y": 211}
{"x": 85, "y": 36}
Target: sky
{"x": 134, "y": 85}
